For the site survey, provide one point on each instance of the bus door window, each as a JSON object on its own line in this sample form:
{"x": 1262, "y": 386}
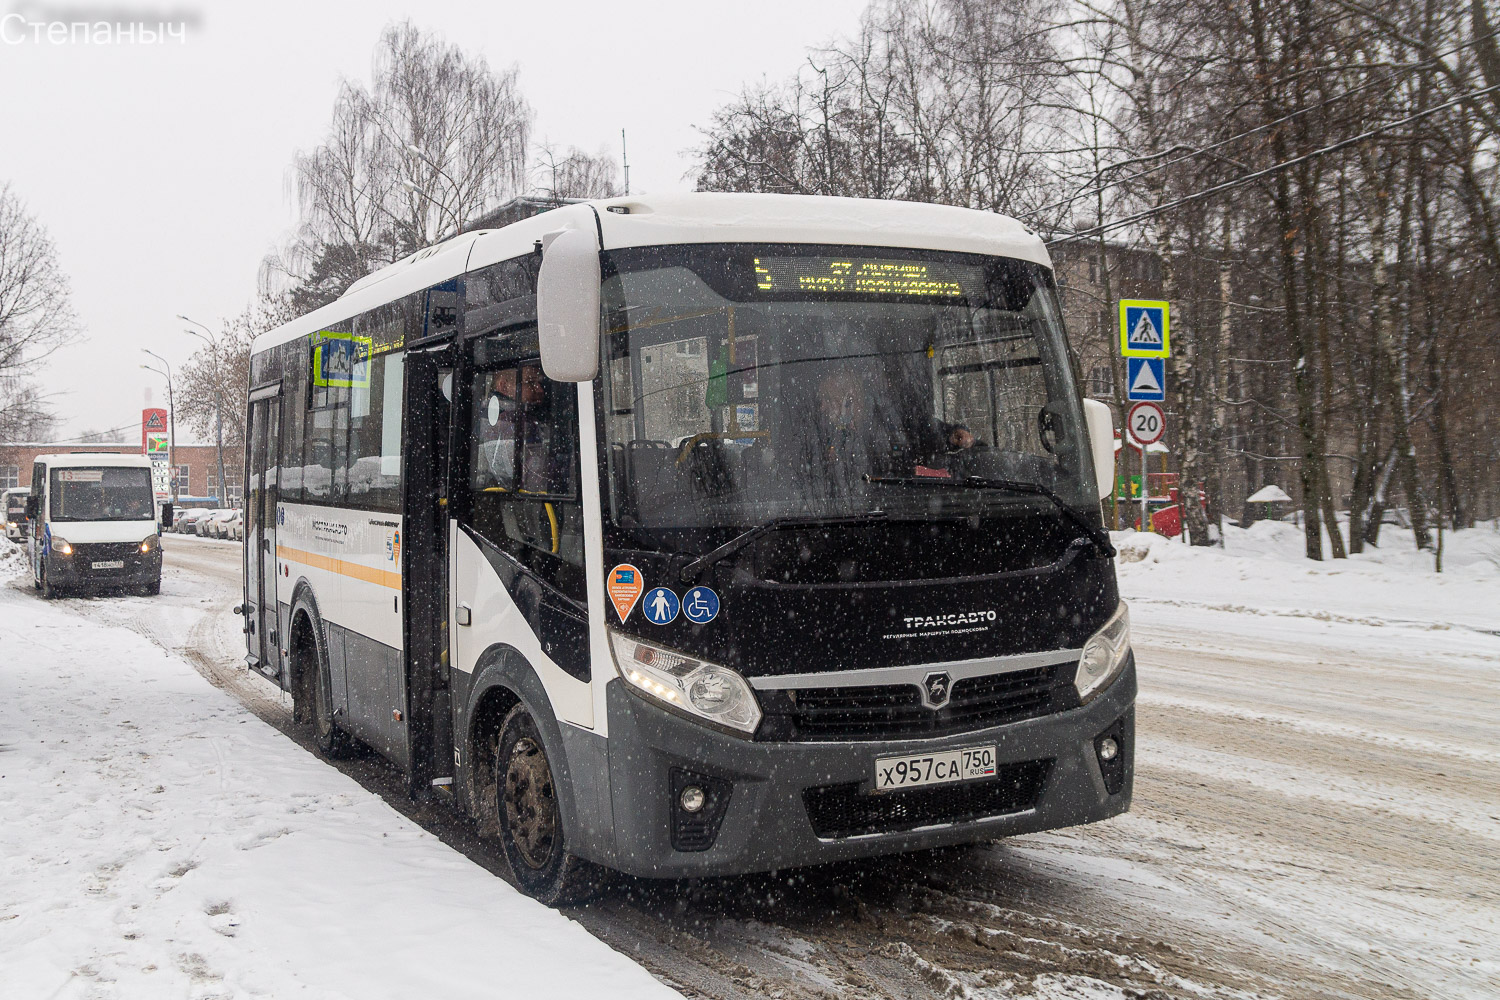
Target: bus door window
{"x": 523, "y": 471}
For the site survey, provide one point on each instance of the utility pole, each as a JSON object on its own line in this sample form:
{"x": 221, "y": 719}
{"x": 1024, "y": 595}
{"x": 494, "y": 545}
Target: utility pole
{"x": 625, "y": 160}
{"x": 171, "y": 419}
{"x": 213, "y": 343}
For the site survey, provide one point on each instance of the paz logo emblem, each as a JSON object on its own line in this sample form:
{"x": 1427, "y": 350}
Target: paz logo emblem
{"x": 935, "y": 688}
{"x": 624, "y": 587}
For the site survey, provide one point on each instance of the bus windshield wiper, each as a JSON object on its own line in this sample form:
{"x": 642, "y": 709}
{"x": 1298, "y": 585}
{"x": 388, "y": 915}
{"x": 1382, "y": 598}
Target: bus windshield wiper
{"x": 1098, "y": 536}
{"x": 744, "y": 538}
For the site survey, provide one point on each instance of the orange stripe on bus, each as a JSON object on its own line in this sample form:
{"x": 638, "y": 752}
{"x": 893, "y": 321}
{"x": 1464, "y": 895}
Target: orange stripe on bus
{"x": 382, "y": 577}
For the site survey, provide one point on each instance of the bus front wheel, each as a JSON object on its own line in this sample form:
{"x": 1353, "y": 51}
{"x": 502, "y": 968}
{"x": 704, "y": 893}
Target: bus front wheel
{"x": 531, "y": 824}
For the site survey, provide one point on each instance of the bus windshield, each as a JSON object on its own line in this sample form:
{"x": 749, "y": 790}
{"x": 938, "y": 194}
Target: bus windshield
{"x": 102, "y": 494}
{"x": 748, "y": 383}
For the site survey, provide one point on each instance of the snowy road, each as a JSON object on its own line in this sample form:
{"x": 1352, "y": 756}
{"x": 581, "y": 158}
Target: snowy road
{"x": 1316, "y": 815}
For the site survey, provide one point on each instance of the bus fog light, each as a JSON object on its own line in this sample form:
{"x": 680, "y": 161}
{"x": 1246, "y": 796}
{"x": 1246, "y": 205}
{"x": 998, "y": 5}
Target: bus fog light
{"x": 1108, "y": 749}
{"x": 692, "y": 798}
{"x": 1103, "y": 655}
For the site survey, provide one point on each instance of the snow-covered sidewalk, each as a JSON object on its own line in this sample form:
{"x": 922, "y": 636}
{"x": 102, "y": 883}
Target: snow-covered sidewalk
{"x": 1262, "y": 570}
{"x": 157, "y": 840}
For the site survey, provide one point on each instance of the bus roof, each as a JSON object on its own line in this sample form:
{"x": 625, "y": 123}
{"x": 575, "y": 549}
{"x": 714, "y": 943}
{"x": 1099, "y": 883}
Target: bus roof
{"x": 652, "y": 220}
{"x": 94, "y": 459}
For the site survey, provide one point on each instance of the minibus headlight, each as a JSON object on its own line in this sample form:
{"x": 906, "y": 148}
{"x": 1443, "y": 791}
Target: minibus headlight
{"x": 707, "y": 690}
{"x": 1103, "y": 655}
{"x": 61, "y": 546}
{"x": 147, "y": 544}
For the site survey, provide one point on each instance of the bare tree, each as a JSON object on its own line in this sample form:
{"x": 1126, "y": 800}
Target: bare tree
{"x": 36, "y": 312}
{"x": 437, "y": 138}
{"x": 221, "y": 375}
{"x": 24, "y": 413}
{"x": 576, "y": 174}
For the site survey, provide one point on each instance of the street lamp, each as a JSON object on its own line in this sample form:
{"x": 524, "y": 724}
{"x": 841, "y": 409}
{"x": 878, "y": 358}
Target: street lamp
{"x": 171, "y": 418}
{"x": 213, "y": 344}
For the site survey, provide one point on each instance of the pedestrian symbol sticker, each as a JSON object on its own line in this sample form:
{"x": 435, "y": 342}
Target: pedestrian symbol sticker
{"x": 1145, "y": 329}
{"x": 661, "y": 606}
{"x": 624, "y": 589}
{"x": 700, "y": 605}
{"x": 1146, "y": 378}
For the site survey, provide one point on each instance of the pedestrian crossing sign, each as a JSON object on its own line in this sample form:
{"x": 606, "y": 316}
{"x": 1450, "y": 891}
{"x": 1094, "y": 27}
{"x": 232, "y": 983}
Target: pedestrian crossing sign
{"x": 1145, "y": 329}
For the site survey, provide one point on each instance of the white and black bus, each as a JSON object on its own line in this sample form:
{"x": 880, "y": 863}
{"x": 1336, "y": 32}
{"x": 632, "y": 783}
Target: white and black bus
{"x": 700, "y": 534}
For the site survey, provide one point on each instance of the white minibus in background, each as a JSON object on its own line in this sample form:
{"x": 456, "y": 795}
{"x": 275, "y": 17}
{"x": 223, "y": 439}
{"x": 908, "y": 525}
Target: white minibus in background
{"x": 699, "y": 534}
{"x": 13, "y": 509}
{"x": 94, "y": 523}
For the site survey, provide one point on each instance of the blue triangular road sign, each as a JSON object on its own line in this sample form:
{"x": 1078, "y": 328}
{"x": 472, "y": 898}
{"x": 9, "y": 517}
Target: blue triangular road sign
{"x": 1146, "y": 378}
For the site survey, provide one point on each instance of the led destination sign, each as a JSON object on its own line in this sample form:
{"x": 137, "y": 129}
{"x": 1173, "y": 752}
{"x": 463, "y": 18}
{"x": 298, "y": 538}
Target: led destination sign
{"x": 863, "y": 276}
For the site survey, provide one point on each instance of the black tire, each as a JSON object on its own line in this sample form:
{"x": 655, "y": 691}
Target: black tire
{"x": 332, "y": 742}
{"x": 530, "y": 822}
{"x": 154, "y": 587}
{"x": 48, "y": 591}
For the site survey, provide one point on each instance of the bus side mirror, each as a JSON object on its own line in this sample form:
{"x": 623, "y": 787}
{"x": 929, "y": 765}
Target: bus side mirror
{"x": 567, "y": 306}
{"x": 31, "y": 507}
{"x": 1102, "y": 443}
{"x": 166, "y": 515}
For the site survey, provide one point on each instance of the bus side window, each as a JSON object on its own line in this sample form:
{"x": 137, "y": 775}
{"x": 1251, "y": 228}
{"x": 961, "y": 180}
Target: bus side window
{"x": 523, "y": 475}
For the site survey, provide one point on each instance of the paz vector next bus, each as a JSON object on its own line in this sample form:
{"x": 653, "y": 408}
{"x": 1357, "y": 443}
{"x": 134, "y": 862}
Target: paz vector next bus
{"x": 699, "y": 534}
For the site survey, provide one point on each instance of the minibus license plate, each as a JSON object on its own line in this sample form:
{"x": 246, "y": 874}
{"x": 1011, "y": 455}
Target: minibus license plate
{"x": 109, "y": 564}
{"x": 934, "y": 768}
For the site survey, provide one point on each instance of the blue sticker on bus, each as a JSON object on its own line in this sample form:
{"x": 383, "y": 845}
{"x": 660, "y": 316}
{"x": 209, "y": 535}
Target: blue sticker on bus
{"x": 700, "y": 605}
{"x": 661, "y": 606}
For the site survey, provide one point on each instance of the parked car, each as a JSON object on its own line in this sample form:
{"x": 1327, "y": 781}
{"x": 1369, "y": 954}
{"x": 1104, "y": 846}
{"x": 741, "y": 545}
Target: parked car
{"x": 207, "y": 525}
{"x": 237, "y": 527}
{"x": 222, "y": 527}
{"x": 186, "y": 521}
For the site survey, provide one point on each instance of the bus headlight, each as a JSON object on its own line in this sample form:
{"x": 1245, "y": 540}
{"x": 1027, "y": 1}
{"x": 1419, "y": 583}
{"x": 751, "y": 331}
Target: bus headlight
{"x": 61, "y": 546}
{"x": 147, "y": 544}
{"x": 1103, "y": 655}
{"x": 707, "y": 690}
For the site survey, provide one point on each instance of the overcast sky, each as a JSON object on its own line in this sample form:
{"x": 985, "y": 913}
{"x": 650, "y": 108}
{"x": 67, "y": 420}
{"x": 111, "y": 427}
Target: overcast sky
{"x": 161, "y": 170}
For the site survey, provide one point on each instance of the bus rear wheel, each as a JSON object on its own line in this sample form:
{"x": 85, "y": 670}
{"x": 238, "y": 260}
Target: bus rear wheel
{"x": 314, "y": 691}
{"x": 531, "y": 824}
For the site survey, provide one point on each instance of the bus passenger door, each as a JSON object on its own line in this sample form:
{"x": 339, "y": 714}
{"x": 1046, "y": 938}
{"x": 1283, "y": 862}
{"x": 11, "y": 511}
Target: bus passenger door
{"x": 261, "y": 611}
{"x": 424, "y": 582}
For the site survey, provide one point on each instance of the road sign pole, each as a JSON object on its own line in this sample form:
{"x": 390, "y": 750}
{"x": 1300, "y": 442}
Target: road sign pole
{"x": 1145, "y": 493}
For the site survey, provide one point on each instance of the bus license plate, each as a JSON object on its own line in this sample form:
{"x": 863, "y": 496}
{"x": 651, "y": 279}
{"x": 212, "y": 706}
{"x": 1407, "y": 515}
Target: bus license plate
{"x": 934, "y": 768}
{"x": 109, "y": 564}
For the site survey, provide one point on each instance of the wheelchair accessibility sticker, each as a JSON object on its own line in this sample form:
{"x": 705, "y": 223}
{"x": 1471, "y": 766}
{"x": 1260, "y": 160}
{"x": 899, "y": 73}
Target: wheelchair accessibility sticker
{"x": 700, "y": 605}
{"x": 661, "y": 606}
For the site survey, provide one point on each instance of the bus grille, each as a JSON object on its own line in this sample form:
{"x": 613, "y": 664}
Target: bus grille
{"x": 105, "y": 550}
{"x": 896, "y": 710}
{"x": 844, "y": 811}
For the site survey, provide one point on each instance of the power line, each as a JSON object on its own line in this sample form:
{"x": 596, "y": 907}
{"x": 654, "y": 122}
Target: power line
{"x": 1274, "y": 168}
{"x": 1246, "y": 134}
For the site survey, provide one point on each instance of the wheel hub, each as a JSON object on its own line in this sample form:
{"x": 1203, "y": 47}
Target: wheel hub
{"x": 530, "y": 803}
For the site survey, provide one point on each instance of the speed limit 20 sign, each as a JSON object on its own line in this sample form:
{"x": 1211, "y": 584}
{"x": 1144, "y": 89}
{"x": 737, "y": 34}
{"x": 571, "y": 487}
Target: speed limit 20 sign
{"x": 1147, "y": 422}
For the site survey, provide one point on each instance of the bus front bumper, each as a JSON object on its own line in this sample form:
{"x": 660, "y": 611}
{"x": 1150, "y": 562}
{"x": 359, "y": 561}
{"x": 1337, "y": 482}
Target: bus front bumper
{"x": 781, "y": 805}
{"x": 79, "y": 570}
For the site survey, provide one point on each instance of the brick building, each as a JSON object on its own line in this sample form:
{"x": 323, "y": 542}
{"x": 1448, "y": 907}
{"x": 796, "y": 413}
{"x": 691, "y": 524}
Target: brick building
{"x": 197, "y": 464}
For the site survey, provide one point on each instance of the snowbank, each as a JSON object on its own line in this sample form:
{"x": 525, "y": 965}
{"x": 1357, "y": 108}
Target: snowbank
{"x": 156, "y": 840}
{"x": 1262, "y": 569}
{"x": 12, "y": 559}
